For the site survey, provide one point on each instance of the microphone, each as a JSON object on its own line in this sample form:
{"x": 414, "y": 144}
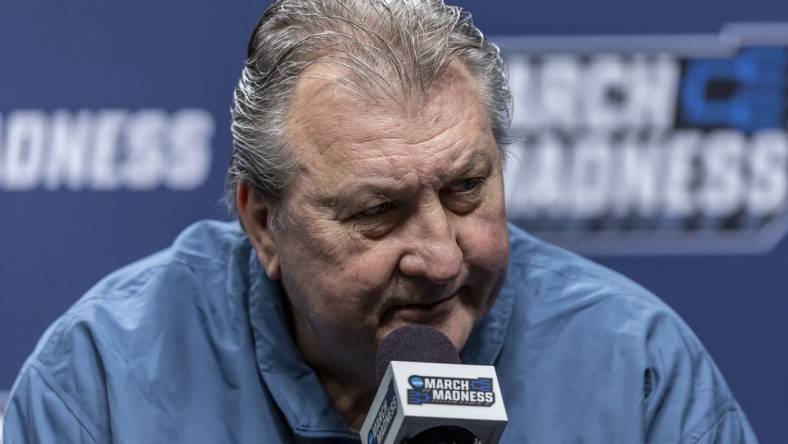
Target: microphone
{"x": 426, "y": 396}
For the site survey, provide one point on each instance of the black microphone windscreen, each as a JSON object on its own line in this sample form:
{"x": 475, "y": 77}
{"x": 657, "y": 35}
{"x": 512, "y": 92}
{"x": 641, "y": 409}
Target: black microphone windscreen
{"x": 415, "y": 343}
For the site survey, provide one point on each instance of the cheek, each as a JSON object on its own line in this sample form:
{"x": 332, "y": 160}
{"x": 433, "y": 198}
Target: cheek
{"x": 335, "y": 279}
{"x": 484, "y": 235}
{"x": 486, "y": 249}
{"x": 485, "y": 243}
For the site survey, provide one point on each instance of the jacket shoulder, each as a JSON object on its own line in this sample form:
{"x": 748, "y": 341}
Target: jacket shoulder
{"x": 575, "y": 322}
{"x": 141, "y": 322}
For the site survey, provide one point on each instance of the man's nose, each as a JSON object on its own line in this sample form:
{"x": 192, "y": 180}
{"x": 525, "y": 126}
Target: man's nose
{"x": 433, "y": 251}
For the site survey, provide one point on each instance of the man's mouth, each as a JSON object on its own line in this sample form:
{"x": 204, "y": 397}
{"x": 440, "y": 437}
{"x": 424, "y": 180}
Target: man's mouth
{"x": 424, "y": 312}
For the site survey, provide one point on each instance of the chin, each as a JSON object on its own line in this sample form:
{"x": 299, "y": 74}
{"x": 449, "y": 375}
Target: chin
{"x": 457, "y": 332}
{"x": 455, "y": 323}
{"x": 457, "y": 328}
{"x": 457, "y": 336}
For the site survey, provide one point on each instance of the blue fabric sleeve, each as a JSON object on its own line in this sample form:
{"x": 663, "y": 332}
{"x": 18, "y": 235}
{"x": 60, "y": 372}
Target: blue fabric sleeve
{"x": 38, "y": 414}
{"x": 687, "y": 399}
{"x": 730, "y": 428}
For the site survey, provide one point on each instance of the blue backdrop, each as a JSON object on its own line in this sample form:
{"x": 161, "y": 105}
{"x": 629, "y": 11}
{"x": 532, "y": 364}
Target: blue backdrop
{"x": 150, "y": 83}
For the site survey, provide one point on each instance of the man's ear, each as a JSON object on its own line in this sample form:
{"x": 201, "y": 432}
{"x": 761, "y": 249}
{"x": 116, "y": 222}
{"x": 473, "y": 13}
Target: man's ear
{"x": 255, "y": 217}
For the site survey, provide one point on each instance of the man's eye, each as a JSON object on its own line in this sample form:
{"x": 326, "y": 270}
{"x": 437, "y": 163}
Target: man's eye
{"x": 376, "y": 221}
{"x": 464, "y": 195}
{"x": 377, "y": 210}
{"x": 465, "y": 185}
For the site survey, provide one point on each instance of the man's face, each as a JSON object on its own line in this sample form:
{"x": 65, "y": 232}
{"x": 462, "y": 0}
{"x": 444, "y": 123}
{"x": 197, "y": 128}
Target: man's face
{"x": 396, "y": 217}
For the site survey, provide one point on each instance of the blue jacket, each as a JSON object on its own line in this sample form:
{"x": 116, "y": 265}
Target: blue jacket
{"x": 191, "y": 345}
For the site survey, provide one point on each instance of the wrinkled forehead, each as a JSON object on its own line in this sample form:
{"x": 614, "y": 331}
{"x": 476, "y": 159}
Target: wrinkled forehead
{"x": 329, "y": 114}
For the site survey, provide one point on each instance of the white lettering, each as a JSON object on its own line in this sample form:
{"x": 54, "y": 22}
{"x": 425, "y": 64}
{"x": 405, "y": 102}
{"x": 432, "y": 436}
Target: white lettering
{"x": 68, "y": 151}
{"x": 767, "y": 191}
{"x": 637, "y": 188}
{"x": 590, "y": 178}
{"x": 723, "y": 188}
{"x": 538, "y": 189}
{"x": 558, "y": 83}
{"x": 654, "y": 91}
{"x": 24, "y": 149}
{"x": 600, "y": 144}
{"x": 144, "y": 163}
{"x": 108, "y": 128}
{"x": 521, "y": 81}
{"x": 106, "y": 150}
{"x": 678, "y": 197}
{"x": 190, "y": 155}
{"x": 605, "y": 93}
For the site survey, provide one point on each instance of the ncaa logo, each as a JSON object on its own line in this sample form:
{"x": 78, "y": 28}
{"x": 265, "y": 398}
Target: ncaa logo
{"x": 417, "y": 382}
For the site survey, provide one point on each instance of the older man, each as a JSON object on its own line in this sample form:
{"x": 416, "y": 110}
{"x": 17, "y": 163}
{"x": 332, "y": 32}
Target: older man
{"x": 367, "y": 177}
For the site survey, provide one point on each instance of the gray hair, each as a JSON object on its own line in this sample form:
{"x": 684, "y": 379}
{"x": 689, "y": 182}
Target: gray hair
{"x": 387, "y": 49}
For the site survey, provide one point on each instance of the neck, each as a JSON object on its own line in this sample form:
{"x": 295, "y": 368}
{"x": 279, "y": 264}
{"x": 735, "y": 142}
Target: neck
{"x": 351, "y": 398}
{"x": 350, "y": 385}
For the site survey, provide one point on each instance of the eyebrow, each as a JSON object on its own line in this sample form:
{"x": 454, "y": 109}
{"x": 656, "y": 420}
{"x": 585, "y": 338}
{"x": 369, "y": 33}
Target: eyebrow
{"x": 475, "y": 161}
{"x": 470, "y": 162}
{"x": 364, "y": 189}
